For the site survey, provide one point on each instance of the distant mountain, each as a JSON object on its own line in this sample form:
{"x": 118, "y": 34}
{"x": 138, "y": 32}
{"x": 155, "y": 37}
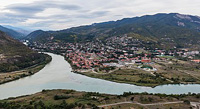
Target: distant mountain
{"x": 12, "y": 33}
{"x": 19, "y": 30}
{"x": 38, "y": 35}
{"x": 14, "y": 55}
{"x": 170, "y": 29}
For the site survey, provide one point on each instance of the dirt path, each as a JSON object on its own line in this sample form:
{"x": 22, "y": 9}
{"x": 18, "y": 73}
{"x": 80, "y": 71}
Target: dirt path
{"x": 130, "y": 102}
{"x": 195, "y": 105}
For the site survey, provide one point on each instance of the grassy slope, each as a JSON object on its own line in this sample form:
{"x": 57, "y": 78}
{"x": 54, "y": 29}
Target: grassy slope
{"x": 130, "y": 76}
{"x": 72, "y": 99}
{"x": 179, "y": 71}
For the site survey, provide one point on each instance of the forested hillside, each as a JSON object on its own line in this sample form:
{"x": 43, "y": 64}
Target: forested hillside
{"x": 15, "y": 56}
{"x": 169, "y": 29}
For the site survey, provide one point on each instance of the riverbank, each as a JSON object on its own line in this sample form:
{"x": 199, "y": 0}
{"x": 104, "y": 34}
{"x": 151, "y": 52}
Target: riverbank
{"x": 15, "y": 75}
{"x": 174, "y": 72}
{"x": 73, "y": 99}
{"x": 127, "y": 76}
{"x": 57, "y": 75}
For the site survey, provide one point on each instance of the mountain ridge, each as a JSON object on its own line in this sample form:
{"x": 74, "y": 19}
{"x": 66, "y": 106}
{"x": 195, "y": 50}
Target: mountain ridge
{"x": 177, "y": 27}
{"x": 19, "y": 30}
{"x": 11, "y": 32}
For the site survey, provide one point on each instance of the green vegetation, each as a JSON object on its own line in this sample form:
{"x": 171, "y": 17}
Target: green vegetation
{"x": 147, "y": 66}
{"x": 167, "y": 57}
{"x": 69, "y": 99}
{"x": 130, "y": 76}
{"x": 172, "y": 71}
{"x": 179, "y": 71}
{"x": 12, "y": 33}
{"x": 22, "y": 62}
{"x": 158, "y": 31}
{"x": 17, "y": 60}
{"x": 11, "y": 76}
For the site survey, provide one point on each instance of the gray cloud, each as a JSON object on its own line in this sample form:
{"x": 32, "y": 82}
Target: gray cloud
{"x": 39, "y": 6}
{"x": 9, "y": 19}
{"x": 100, "y": 13}
{"x": 26, "y": 8}
{"x": 28, "y": 11}
{"x": 90, "y": 15}
{"x": 60, "y": 14}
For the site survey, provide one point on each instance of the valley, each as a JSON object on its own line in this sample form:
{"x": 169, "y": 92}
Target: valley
{"x": 124, "y": 59}
{"x": 149, "y": 50}
{"x": 147, "y": 62}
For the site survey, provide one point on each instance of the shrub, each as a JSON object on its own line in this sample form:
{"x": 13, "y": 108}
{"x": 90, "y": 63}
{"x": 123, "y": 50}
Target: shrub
{"x": 59, "y": 97}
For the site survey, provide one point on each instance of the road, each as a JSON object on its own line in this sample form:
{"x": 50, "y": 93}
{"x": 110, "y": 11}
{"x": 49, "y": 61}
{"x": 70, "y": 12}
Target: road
{"x": 130, "y": 102}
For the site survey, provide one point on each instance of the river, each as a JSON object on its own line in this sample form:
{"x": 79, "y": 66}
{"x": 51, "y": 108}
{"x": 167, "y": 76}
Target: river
{"x": 57, "y": 75}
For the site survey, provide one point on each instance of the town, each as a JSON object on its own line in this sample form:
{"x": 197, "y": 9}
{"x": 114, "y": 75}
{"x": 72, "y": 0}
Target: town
{"x": 114, "y": 53}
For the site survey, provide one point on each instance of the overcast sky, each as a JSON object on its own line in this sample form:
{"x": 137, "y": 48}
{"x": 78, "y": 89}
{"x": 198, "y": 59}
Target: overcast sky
{"x": 62, "y": 14}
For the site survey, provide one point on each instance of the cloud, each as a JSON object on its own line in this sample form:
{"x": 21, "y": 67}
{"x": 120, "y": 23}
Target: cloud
{"x": 100, "y": 13}
{"x": 31, "y": 9}
{"x": 39, "y": 6}
{"x": 26, "y": 8}
{"x": 9, "y": 19}
{"x": 61, "y": 14}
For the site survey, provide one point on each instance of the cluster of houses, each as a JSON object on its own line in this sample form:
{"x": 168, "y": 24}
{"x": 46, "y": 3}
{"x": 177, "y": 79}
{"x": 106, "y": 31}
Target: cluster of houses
{"x": 196, "y": 61}
{"x": 113, "y": 52}
{"x": 87, "y": 60}
{"x": 187, "y": 53}
{"x": 83, "y": 60}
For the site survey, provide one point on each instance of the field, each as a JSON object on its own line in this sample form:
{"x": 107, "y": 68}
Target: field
{"x": 179, "y": 71}
{"x": 67, "y": 99}
{"x": 172, "y": 71}
{"x": 130, "y": 76}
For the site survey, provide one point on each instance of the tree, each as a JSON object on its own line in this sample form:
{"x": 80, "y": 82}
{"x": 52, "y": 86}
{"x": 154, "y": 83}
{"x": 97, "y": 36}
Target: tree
{"x": 150, "y": 99}
{"x": 107, "y": 98}
{"x": 63, "y": 104}
{"x": 132, "y": 98}
{"x": 75, "y": 38}
{"x": 187, "y": 102}
{"x": 41, "y": 104}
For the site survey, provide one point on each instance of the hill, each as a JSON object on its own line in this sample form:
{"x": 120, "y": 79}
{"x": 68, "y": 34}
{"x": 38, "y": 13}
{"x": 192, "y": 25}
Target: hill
{"x": 69, "y": 99}
{"x": 38, "y": 35}
{"x": 12, "y": 33}
{"x": 19, "y": 30}
{"x": 15, "y": 56}
{"x": 169, "y": 29}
